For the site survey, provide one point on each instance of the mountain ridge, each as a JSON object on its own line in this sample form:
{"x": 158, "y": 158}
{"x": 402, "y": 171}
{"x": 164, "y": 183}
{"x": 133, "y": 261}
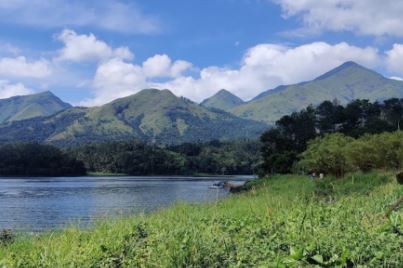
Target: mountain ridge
{"x": 345, "y": 83}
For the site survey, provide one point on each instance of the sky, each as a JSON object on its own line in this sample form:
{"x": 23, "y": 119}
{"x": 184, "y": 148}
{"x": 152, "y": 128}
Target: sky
{"x": 91, "y": 52}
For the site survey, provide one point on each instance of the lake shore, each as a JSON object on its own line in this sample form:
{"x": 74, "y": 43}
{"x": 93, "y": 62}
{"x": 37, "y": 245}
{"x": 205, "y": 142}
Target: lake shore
{"x": 281, "y": 221}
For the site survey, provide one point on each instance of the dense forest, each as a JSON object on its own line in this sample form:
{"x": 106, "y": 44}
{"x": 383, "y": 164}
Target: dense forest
{"x": 283, "y": 144}
{"x": 37, "y": 160}
{"x": 138, "y": 158}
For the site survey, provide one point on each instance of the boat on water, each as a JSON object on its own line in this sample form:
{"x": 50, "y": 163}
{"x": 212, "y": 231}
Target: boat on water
{"x": 217, "y": 185}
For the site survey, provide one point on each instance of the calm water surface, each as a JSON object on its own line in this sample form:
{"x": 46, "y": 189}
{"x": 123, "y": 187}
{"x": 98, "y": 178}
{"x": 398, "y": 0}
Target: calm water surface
{"x": 36, "y": 204}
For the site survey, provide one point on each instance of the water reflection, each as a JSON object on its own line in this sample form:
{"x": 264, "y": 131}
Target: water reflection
{"x": 47, "y": 203}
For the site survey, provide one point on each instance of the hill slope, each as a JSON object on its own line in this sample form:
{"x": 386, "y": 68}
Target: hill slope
{"x": 345, "y": 83}
{"x": 223, "y": 100}
{"x": 150, "y": 115}
{"x": 29, "y": 106}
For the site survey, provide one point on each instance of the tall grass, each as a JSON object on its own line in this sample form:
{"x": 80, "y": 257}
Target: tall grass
{"x": 284, "y": 221}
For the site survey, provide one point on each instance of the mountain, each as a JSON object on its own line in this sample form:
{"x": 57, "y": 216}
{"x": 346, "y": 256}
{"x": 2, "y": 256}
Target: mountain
{"x": 24, "y": 107}
{"x": 223, "y": 100}
{"x": 150, "y": 115}
{"x": 345, "y": 83}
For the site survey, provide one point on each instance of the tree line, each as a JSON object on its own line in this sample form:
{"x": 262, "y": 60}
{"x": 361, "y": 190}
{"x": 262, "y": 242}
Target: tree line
{"x": 283, "y": 144}
{"x": 138, "y": 158}
{"x": 31, "y": 159}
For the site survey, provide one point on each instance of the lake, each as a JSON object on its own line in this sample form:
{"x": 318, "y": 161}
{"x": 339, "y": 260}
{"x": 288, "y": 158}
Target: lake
{"x": 37, "y": 204}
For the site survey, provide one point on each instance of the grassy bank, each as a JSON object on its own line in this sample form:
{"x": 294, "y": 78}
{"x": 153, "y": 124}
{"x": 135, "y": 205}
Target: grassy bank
{"x": 286, "y": 221}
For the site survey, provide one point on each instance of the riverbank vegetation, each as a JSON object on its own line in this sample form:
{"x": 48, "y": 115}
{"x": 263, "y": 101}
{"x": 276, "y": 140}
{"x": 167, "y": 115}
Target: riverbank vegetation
{"x": 338, "y": 154}
{"x": 283, "y": 221}
{"x": 282, "y": 145}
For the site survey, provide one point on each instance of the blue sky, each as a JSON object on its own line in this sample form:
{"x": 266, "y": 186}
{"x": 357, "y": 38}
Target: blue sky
{"x": 91, "y": 52}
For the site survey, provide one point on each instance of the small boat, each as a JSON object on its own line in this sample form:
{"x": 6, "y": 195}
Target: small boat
{"x": 217, "y": 185}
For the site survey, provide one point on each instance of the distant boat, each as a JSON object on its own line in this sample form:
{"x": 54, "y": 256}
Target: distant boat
{"x": 217, "y": 185}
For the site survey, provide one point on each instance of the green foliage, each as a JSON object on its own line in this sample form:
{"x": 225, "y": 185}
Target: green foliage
{"x": 337, "y": 154}
{"x": 37, "y": 160}
{"x": 283, "y": 144}
{"x": 223, "y": 100}
{"x": 327, "y": 155}
{"x": 347, "y": 82}
{"x": 24, "y": 107}
{"x": 279, "y": 223}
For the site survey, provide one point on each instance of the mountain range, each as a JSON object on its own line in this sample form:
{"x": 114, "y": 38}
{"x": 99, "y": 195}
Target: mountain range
{"x": 151, "y": 115}
{"x": 345, "y": 83}
{"x": 158, "y": 116}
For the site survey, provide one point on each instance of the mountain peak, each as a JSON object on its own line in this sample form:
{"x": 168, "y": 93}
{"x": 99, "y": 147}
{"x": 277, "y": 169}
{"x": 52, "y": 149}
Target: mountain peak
{"x": 29, "y": 106}
{"x": 348, "y": 67}
{"x": 223, "y": 100}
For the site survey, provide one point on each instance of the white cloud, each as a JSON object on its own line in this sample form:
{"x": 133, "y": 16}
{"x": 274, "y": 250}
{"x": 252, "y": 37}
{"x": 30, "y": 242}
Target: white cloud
{"x": 86, "y": 48}
{"x": 162, "y": 66}
{"x": 8, "y": 89}
{"x": 263, "y": 67}
{"x": 266, "y": 66}
{"x": 21, "y": 67}
{"x": 113, "y": 15}
{"x": 114, "y": 79}
{"x": 369, "y": 17}
{"x": 394, "y": 59}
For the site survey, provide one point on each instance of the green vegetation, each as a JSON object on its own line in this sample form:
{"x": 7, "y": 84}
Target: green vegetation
{"x": 25, "y": 107}
{"x": 137, "y": 158}
{"x": 284, "y": 221}
{"x": 151, "y": 116}
{"x": 223, "y": 100}
{"x": 346, "y": 83}
{"x": 283, "y": 144}
{"x": 37, "y": 160}
{"x": 337, "y": 154}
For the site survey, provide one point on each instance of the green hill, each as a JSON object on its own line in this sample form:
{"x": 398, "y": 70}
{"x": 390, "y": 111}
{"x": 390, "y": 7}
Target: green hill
{"x": 345, "y": 83}
{"x": 223, "y": 100}
{"x": 150, "y": 115}
{"x": 29, "y": 106}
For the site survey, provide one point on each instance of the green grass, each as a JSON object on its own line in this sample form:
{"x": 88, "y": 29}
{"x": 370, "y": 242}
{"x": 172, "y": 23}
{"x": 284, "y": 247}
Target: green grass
{"x": 285, "y": 221}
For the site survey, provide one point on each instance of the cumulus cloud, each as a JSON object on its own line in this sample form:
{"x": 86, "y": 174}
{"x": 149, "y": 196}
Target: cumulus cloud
{"x": 266, "y": 66}
{"x": 370, "y": 17}
{"x": 394, "y": 59}
{"x": 86, "y": 48}
{"x": 8, "y": 89}
{"x": 21, "y": 67}
{"x": 262, "y": 67}
{"x": 113, "y": 15}
{"x": 114, "y": 79}
{"x": 162, "y": 66}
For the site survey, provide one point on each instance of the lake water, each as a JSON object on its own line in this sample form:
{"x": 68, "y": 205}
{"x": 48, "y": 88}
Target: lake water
{"x": 36, "y": 204}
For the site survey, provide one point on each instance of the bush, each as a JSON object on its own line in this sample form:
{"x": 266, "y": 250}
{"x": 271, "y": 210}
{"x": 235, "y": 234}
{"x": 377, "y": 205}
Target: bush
{"x": 327, "y": 155}
{"x": 337, "y": 154}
